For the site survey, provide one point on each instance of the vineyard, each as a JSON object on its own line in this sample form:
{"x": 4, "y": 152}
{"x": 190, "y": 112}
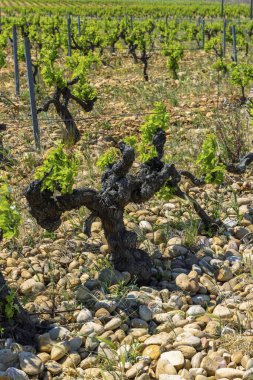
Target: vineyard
{"x": 126, "y": 204}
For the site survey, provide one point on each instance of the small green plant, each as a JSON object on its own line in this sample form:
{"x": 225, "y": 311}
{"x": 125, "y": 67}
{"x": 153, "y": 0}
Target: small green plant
{"x": 9, "y": 215}
{"x": 208, "y": 161}
{"x": 106, "y": 126}
{"x": 174, "y": 53}
{"x": 8, "y": 305}
{"x": 59, "y": 170}
{"x": 157, "y": 120}
{"x": 108, "y": 158}
{"x": 11, "y": 306}
{"x": 131, "y": 141}
{"x": 241, "y": 75}
{"x": 234, "y": 205}
{"x": 220, "y": 66}
{"x": 191, "y": 231}
{"x": 166, "y": 193}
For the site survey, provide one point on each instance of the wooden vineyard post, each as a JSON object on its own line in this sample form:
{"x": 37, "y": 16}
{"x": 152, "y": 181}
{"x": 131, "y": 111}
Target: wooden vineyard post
{"x": 79, "y": 26}
{"x": 15, "y": 58}
{"x": 36, "y": 131}
{"x": 222, "y": 8}
{"x": 224, "y": 37}
{"x": 69, "y": 35}
{"x": 234, "y": 44}
{"x": 203, "y": 33}
{"x": 251, "y": 9}
{"x": 131, "y": 22}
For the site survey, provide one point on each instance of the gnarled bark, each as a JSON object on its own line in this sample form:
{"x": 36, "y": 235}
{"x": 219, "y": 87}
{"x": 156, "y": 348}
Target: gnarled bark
{"x": 60, "y": 100}
{"x": 19, "y": 327}
{"x": 119, "y": 188}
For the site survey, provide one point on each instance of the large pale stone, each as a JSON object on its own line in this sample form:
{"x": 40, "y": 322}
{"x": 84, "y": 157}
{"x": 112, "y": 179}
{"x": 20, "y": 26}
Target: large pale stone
{"x": 175, "y": 358}
{"x": 59, "y": 350}
{"x": 228, "y": 373}
{"x": 30, "y": 363}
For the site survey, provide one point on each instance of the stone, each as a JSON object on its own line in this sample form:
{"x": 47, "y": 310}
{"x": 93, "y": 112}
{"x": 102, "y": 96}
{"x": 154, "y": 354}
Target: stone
{"x": 175, "y": 358}
{"x": 90, "y": 327}
{"x": 236, "y": 357}
{"x": 186, "y": 339}
{"x": 248, "y": 375}
{"x": 83, "y": 294}
{"x": 31, "y": 286}
{"x": 187, "y": 351}
{"x": 197, "y": 371}
{"x": 145, "y": 313}
{"x": 16, "y": 374}
{"x": 30, "y": 363}
{"x": 59, "y": 332}
{"x": 153, "y": 352}
{"x": 8, "y": 358}
{"x": 164, "y": 367}
{"x": 240, "y": 232}
{"x": 53, "y": 367}
{"x": 139, "y": 323}
{"x": 113, "y": 324}
{"x": 213, "y": 328}
{"x": 135, "y": 370}
{"x": 158, "y": 339}
{"x": 75, "y": 343}
{"x": 195, "y": 310}
{"x": 110, "y": 276}
{"x": 209, "y": 284}
{"x": 145, "y": 226}
{"x": 4, "y": 376}
{"x": 222, "y": 312}
{"x": 209, "y": 365}
{"x": 84, "y": 316}
{"x": 196, "y": 359}
{"x": 59, "y": 350}
{"x": 109, "y": 305}
{"x": 229, "y": 373}
{"x": 171, "y": 377}
{"x": 44, "y": 356}
{"x": 45, "y": 343}
{"x": 249, "y": 364}
{"x": 224, "y": 274}
{"x": 245, "y": 360}
{"x": 88, "y": 362}
{"x": 201, "y": 299}
{"x": 71, "y": 361}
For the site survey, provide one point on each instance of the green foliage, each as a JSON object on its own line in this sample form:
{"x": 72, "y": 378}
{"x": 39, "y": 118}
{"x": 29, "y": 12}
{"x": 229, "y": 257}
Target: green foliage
{"x": 157, "y": 120}
{"x": 174, "y": 52}
{"x": 2, "y": 58}
{"x": 9, "y": 215}
{"x": 220, "y": 66}
{"x": 166, "y": 192}
{"x": 130, "y": 140}
{"x": 59, "y": 170}
{"x": 108, "y": 158}
{"x": 10, "y": 307}
{"x": 241, "y": 75}
{"x": 52, "y": 75}
{"x": 208, "y": 161}
{"x": 214, "y": 44}
{"x": 80, "y": 66}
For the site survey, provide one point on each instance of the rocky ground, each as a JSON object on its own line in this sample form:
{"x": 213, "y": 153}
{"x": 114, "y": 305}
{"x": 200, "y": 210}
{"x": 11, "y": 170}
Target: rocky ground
{"x": 193, "y": 321}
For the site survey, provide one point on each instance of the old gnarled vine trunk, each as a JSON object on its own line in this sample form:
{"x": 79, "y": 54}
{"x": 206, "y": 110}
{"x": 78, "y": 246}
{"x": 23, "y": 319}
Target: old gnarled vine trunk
{"x": 118, "y": 189}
